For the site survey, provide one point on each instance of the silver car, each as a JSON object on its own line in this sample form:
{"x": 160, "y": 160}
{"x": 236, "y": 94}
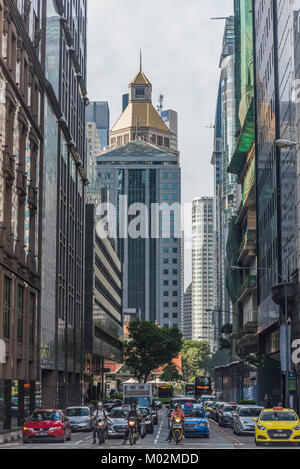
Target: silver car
{"x": 117, "y": 422}
{"x": 80, "y": 418}
{"x": 242, "y": 419}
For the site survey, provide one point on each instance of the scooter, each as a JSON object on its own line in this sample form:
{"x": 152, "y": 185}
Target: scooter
{"x": 177, "y": 430}
{"x": 132, "y": 428}
{"x": 101, "y": 431}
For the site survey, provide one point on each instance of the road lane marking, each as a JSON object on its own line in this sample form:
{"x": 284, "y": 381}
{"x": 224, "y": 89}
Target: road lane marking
{"x": 159, "y": 430}
{"x": 225, "y": 435}
{"x": 78, "y": 442}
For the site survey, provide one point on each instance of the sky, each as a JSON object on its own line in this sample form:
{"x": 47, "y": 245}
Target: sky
{"x": 181, "y": 49}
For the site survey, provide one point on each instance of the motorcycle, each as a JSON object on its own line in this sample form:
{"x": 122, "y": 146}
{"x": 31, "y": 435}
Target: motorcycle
{"x": 101, "y": 431}
{"x": 177, "y": 430}
{"x": 132, "y": 429}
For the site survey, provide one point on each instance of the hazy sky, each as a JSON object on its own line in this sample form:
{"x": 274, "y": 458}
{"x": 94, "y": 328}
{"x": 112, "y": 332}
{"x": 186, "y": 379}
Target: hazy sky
{"x": 181, "y": 49}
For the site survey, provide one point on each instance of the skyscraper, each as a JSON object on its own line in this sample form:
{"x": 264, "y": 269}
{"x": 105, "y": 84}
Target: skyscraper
{"x": 186, "y": 325}
{"x": 63, "y": 203}
{"x": 98, "y": 112}
{"x": 203, "y": 270}
{"x": 148, "y": 174}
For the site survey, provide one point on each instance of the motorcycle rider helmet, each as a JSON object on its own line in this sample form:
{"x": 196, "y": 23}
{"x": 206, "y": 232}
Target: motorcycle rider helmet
{"x": 178, "y": 407}
{"x": 100, "y": 404}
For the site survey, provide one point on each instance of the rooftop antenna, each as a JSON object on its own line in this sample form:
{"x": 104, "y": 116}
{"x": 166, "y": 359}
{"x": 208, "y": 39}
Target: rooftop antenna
{"x": 161, "y": 101}
{"x": 141, "y": 60}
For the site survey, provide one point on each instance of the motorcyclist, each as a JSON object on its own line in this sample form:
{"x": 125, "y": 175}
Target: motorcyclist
{"x": 178, "y": 413}
{"x": 133, "y": 413}
{"x": 99, "y": 414}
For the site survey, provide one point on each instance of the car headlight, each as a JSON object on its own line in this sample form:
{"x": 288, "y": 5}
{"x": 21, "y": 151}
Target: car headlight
{"x": 260, "y": 427}
{"x": 296, "y": 429}
{"x": 148, "y": 421}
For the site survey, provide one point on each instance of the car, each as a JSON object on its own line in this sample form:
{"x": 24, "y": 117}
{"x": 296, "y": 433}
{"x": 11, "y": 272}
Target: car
{"x": 225, "y": 414}
{"x": 109, "y": 405}
{"x": 214, "y": 409}
{"x": 47, "y": 425}
{"x": 196, "y": 421}
{"x": 117, "y": 422}
{"x": 157, "y": 403}
{"x": 80, "y": 418}
{"x": 277, "y": 425}
{"x": 242, "y": 419}
{"x": 147, "y": 418}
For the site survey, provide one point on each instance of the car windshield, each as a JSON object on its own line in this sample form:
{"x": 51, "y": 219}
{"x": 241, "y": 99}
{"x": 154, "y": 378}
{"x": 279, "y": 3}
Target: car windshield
{"x": 118, "y": 414}
{"x": 250, "y": 412}
{"x": 78, "y": 412}
{"x": 182, "y": 402}
{"x": 45, "y": 416}
{"x": 278, "y": 417}
{"x": 229, "y": 408}
{"x": 196, "y": 413}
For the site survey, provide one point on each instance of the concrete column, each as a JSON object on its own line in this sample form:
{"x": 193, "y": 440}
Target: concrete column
{"x": 7, "y": 405}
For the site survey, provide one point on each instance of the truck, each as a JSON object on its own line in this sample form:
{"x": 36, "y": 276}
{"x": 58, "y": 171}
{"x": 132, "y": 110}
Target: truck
{"x": 140, "y": 394}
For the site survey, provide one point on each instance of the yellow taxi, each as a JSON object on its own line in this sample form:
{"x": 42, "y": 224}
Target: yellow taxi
{"x": 277, "y": 425}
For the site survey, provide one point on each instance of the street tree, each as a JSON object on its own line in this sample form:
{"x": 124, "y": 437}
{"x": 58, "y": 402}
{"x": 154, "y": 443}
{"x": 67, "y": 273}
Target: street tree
{"x": 195, "y": 355}
{"x": 149, "y": 347}
{"x": 170, "y": 373}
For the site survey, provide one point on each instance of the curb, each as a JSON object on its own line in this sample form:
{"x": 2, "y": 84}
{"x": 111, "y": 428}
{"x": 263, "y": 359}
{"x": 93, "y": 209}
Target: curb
{"x": 10, "y": 437}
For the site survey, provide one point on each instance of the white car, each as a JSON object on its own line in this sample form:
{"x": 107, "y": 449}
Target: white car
{"x": 80, "y": 418}
{"x": 242, "y": 419}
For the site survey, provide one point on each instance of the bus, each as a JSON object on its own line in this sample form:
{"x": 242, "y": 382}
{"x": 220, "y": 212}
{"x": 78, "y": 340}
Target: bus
{"x": 189, "y": 390}
{"x": 202, "y": 385}
{"x": 165, "y": 391}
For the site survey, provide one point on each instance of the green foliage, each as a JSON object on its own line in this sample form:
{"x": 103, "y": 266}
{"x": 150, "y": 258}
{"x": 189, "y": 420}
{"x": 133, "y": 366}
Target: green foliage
{"x": 246, "y": 402}
{"x": 170, "y": 373}
{"x": 195, "y": 356}
{"x": 150, "y": 347}
{"x": 260, "y": 360}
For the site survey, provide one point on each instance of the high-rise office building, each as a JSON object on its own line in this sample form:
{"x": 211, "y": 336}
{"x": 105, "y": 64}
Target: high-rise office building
{"x": 63, "y": 204}
{"x": 21, "y": 135}
{"x": 186, "y": 322}
{"x": 225, "y": 183}
{"x": 146, "y": 173}
{"x": 98, "y": 112}
{"x": 203, "y": 270}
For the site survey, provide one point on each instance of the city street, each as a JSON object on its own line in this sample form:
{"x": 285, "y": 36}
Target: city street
{"x": 220, "y": 438}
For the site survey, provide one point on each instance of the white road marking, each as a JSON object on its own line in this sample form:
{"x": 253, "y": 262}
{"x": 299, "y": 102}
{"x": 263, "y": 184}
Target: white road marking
{"x": 159, "y": 430}
{"x": 78, "y": 442}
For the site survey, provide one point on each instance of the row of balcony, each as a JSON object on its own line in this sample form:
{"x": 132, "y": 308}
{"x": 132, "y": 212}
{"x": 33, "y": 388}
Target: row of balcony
{"x": 248, "y": 246}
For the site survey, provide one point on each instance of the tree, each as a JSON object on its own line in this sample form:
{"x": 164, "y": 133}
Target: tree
{"x": 150, "y": 347}
{"x": 170, "y": 373}
{"x": 195, "y": 355}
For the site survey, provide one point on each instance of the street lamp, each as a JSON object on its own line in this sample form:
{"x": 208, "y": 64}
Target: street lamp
{"x": 286, "y": 319}
{"x": 285, "y": 143}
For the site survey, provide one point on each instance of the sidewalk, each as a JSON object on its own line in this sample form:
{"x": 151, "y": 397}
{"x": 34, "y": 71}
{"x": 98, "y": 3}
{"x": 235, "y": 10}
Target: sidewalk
{"x": 10, "y": 436}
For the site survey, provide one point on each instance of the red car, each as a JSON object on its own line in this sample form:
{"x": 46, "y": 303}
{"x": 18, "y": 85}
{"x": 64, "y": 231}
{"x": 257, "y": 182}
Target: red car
{"x": 47, "y": 425}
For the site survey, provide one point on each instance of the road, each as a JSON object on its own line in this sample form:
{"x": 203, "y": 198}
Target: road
{"x": 220, "y": 438}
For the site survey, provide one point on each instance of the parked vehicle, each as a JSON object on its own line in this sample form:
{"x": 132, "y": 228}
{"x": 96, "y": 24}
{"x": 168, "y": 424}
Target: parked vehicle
{"x": 242, "y": 419}
{"x": 47, "y": 425}
{"x": 117, "y": 422}
{"x": 225, "y": 414}
{"x": 80, "y": 418}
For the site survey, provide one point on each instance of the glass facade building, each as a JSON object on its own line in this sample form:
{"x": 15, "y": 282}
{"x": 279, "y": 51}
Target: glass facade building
{"x": 98, "y": 112}
{"x": 63, "y": 204}
{"x": 139, "y": 175}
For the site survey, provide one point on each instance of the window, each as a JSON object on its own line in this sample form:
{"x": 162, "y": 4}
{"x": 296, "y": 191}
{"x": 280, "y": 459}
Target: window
{"x": 175, "y": 304}
{"x": 166, "y": 283}
{"x": 166, "y": 261}
{"x": 166, "y": 304}
{"x": 140, "y": 92}
{"x": 167, "y": 142}
{"x": 20, "y": 313}
{"x": 166, "y": 272}
{"x": 166, "y": 315}
{"x": 6, "y": 307}
{"x": 166, "y": 293}
{"x": 31, "y": 318}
